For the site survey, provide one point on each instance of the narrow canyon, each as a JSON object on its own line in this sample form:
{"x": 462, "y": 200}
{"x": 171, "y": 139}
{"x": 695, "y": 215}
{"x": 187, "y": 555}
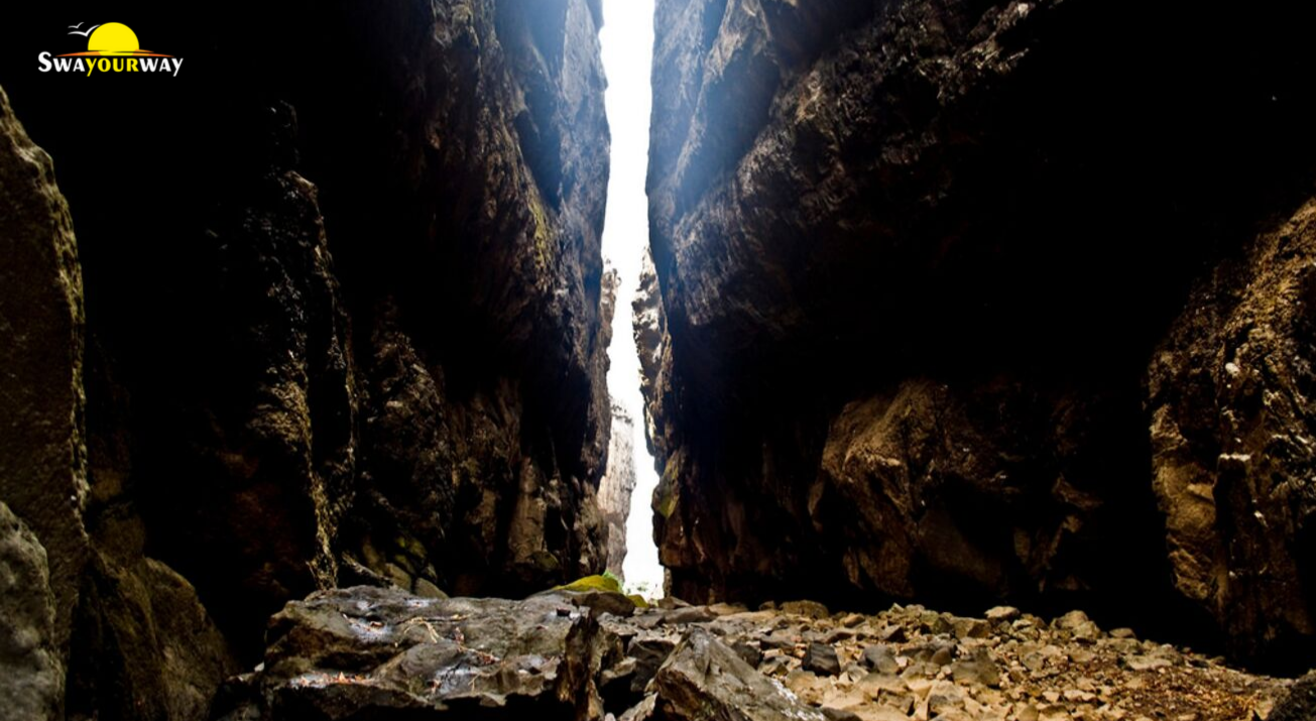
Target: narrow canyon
{"x": 972, "y": 344}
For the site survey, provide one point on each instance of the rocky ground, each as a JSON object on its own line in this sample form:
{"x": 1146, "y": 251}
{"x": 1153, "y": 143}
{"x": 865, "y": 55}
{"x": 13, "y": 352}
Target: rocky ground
{"x": 382, "y": 654}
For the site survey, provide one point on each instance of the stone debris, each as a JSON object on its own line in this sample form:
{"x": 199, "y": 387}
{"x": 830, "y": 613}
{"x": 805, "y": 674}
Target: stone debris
{"x": 559, "y": 656}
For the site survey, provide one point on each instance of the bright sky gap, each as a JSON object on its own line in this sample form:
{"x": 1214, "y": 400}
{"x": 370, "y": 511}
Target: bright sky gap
{"x": 627, "y": 39}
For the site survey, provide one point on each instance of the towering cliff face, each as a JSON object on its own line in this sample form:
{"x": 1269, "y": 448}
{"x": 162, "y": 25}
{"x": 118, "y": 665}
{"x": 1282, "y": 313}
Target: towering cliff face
{"x": 353, "y": 331}
{"x": 84, "y": 611}
{"x": 915, "y": 258}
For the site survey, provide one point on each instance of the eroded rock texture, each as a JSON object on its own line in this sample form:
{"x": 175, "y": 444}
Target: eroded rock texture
{"x": 343, "y": 326}
{"x": 31, "y": 666}
{"x": 617, "y": 486}
{"x": 1232, "y": 434}
{"x": 43, "y": 463}
{"x": 914, "y": 258}
{"x": 383, "y": 654}
{"x": 89, "y": 612}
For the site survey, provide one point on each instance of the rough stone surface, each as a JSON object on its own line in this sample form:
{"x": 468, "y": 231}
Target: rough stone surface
{"x": 143, "y": 647}
{"x": 268, "y": 440}
{"x": 649, "y": 324}
{"x": 130, "y": 632}
{"x": 885, "y": 359}
{"x": 1232, "y": 441}
{"x": 1299, "y": 704}
{"x": 31, "y": 666}
{"x": 43, "y": 465}
{"x": 354, "y": 330}
{"x": 367, "y": 341}
{"x": 382, "y": 654}
{"x": 386, "y": 654}
{"x": 705, "y": 679}
{"x": 821, "y": 658}
{"x": 617, "y": 486}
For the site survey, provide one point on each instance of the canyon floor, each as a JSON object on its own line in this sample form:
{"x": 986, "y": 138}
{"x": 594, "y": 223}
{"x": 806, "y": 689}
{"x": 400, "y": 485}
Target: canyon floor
{"x": 383, "y": 654}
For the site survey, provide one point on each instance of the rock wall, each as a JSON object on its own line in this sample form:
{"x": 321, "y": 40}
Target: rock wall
{"x": 1231, "y": 433}
{"x": 617, "y": 486}
{"x": 43, "y": 458}
{"x": 344, "y": 324}
{"x": 87, "y": 612}
{"x": 914, "y": 259}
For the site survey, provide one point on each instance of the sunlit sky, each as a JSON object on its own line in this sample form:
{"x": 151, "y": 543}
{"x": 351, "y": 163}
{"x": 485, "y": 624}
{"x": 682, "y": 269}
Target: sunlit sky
{"x": 627, "y": 38}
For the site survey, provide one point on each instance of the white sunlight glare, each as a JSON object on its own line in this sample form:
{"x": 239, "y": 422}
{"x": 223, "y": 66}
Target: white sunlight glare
{"x": 627, "y": 39}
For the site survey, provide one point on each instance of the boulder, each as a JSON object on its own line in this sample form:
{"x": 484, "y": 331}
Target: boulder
{"x": 880, "y": 658}
{"x": 821, "y": 659}
{"x": 705, "y": 679}
{"x": 388, "y": 654}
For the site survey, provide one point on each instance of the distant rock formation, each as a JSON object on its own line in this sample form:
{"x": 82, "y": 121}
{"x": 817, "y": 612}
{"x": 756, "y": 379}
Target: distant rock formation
{"x": 617, "y": 485}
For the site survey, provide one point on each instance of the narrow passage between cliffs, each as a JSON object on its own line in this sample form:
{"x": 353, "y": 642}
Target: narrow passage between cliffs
{"x": 627, "y": 39}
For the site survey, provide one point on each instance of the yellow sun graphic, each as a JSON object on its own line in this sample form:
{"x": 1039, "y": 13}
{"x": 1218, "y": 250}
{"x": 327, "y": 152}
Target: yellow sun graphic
{"x": 113, "y": 39}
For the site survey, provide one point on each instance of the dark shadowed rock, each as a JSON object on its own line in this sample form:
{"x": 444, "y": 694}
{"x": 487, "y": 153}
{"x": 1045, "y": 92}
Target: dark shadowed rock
{"x": 139, "y": 644}
{"x": 43, "y": 472}
{"x": 650, "y": 652}
{"x": 143, "y": 646}
{"x": 31, "y": 667}
{"x": 1299, "y": 704}
{"x": 883, "y": 360}
{"x": 649, "y": 326}
{"x": 269, "y": 440}
{"x": 749, "y": 652}
{"x": 821, "y": 658}
{"x": 357, "y": 321}
{"x": 598, "y": 600}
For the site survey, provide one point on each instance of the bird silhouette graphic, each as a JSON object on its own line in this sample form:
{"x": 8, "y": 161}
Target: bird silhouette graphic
{"x": 83, "y": 33}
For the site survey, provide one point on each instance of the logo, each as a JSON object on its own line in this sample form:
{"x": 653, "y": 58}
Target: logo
{"x": 111, "y": 48}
